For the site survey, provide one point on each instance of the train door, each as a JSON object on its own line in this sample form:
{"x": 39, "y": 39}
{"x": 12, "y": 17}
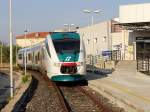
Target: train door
{"x": 139, "y": 49}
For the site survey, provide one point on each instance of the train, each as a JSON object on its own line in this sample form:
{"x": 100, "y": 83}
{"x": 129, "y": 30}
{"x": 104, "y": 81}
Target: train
{"x": 61, "y": 56}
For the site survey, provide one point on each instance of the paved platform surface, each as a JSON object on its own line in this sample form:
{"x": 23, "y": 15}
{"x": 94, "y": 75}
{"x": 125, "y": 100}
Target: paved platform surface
{"x": 125, "y": 86}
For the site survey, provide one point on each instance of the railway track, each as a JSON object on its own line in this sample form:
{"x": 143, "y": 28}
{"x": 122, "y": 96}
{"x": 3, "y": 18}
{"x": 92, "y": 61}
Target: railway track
{"x": 77, "y": 99}
{"x": 55, "y": 97}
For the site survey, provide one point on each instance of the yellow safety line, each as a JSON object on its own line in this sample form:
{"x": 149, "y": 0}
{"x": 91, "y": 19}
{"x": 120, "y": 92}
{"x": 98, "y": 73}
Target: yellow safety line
{"x": 128, "y": 91}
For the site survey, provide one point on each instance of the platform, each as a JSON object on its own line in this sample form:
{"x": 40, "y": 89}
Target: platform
{"x": 125, "y": 86}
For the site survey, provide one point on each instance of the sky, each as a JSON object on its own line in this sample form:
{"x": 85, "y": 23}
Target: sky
{"x": 47, "y": 15}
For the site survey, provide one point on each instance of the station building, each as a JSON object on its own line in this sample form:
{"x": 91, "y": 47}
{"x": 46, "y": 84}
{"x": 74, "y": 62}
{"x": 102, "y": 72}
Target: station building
{"x": 30, "y": 38}
{"x": 98, "y": 37}
{"x": 129, "y": 33}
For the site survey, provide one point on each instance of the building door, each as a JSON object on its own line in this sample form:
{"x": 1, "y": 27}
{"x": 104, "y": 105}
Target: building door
{"x": 143, "y": 54}
{"x": 143, "y": 47}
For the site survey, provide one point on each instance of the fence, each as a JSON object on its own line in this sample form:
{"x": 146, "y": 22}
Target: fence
{"x": 100, "y": 61}
{"x": 116, "y": 55}
{"x": 143, "y": 63}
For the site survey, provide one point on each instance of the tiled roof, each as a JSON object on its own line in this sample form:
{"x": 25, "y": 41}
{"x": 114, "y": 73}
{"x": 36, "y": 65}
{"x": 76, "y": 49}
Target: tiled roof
{"x": 33, "y": 35}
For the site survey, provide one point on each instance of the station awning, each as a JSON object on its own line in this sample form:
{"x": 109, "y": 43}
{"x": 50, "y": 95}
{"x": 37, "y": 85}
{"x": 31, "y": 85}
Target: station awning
{"x": 141, "y": 26}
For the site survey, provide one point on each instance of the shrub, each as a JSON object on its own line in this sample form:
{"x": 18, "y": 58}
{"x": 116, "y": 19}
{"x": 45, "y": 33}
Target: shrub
{"x": 25, "y": 78}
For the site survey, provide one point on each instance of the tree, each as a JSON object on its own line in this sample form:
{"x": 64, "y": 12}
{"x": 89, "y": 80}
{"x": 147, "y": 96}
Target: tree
{"x": 6, "y": 52}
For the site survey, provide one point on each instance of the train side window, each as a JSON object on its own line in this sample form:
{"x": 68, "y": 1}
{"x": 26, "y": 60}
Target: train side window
{"x": 20, "y": 56}
{"x": 38, "y": 56}
{"x": 36, "y": 59}
{"x": 29, "y": 57}
{"x": 42, "y": 53}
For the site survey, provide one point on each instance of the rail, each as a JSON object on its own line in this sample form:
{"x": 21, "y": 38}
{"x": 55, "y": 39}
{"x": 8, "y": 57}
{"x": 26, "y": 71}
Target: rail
{"x": 76, "y": 98}
{"x": 94, "y": 99}
{"x": 62, "y": 99}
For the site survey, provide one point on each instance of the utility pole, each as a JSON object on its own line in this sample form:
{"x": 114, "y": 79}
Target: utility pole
{"x": 11, "y": 53}
{"x": 1, "y": 54}
{"x": 16, "y": 54}
{"x": 92, "y": 23}
{"x": 25, "y": 52}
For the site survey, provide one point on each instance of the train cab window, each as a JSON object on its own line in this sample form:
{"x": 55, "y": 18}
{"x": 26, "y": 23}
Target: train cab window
{"x": 67, "y": 45}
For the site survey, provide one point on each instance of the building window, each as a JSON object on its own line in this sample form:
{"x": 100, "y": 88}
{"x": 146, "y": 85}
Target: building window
{"x": 104, "y": 39}
{"x": 88, "y": 41}
{"x": 95, "y": 40}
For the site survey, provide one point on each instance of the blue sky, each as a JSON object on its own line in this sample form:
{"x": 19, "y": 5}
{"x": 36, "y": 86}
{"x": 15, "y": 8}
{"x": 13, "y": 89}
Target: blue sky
{"x": 46, "y": 15}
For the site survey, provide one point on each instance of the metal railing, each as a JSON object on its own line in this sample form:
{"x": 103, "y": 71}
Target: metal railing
{"x": 99, "y": 61}
{"x": 143, "y": 63}
{"x": 116, "y": 55}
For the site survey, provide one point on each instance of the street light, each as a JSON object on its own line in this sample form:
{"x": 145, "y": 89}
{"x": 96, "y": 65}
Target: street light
{"x": 25, "y": 67}
{"x": 89, "y": 11}
{"x": 95, "y": 39}
{"x": 11, "y": 53}
{"x": 16, "y": 54}
{"x": 69, "y": 26}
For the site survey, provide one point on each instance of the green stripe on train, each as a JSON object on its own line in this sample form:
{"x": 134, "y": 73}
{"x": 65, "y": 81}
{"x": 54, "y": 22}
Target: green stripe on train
{"x": 75, "y": 77}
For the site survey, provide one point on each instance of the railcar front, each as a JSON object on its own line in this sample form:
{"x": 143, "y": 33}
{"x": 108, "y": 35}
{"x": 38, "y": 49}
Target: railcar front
{"x": 66, "y": 55}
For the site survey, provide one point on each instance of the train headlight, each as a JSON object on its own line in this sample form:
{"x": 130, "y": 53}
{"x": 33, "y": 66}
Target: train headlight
{"x": 57, "y": 64}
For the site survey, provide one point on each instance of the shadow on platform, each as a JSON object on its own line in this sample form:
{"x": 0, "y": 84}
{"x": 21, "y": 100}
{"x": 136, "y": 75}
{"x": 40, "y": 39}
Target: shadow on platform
{"x": 98, "y": 73}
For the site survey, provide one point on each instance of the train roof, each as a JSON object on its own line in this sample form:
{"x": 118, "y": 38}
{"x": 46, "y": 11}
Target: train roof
{"x": 34, "y": 47}
{"x": 54, "y": 35}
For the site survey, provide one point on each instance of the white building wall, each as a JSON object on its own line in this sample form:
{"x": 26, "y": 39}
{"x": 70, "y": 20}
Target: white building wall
{"x": 134, "y": 13}
{"x": 127, "y": 40}
{"x": 97, "y": 38}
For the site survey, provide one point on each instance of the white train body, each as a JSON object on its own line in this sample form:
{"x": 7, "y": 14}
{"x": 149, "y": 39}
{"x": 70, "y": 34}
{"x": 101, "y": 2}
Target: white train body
{"x": 61, "y": 56}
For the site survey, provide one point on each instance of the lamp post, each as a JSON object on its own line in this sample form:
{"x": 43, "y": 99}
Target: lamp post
{"x": 69, "y": 26}
{"x": 92, "y": 12}
{"x": 16, "y": 54}
{"x": 11, "y": 53}
{"x": 92, "y": 22}
{"x": 25, "y": 66}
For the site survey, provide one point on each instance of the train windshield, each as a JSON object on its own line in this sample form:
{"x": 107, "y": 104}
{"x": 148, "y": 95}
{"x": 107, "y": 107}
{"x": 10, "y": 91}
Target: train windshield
{"x": 67, "y": 45}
